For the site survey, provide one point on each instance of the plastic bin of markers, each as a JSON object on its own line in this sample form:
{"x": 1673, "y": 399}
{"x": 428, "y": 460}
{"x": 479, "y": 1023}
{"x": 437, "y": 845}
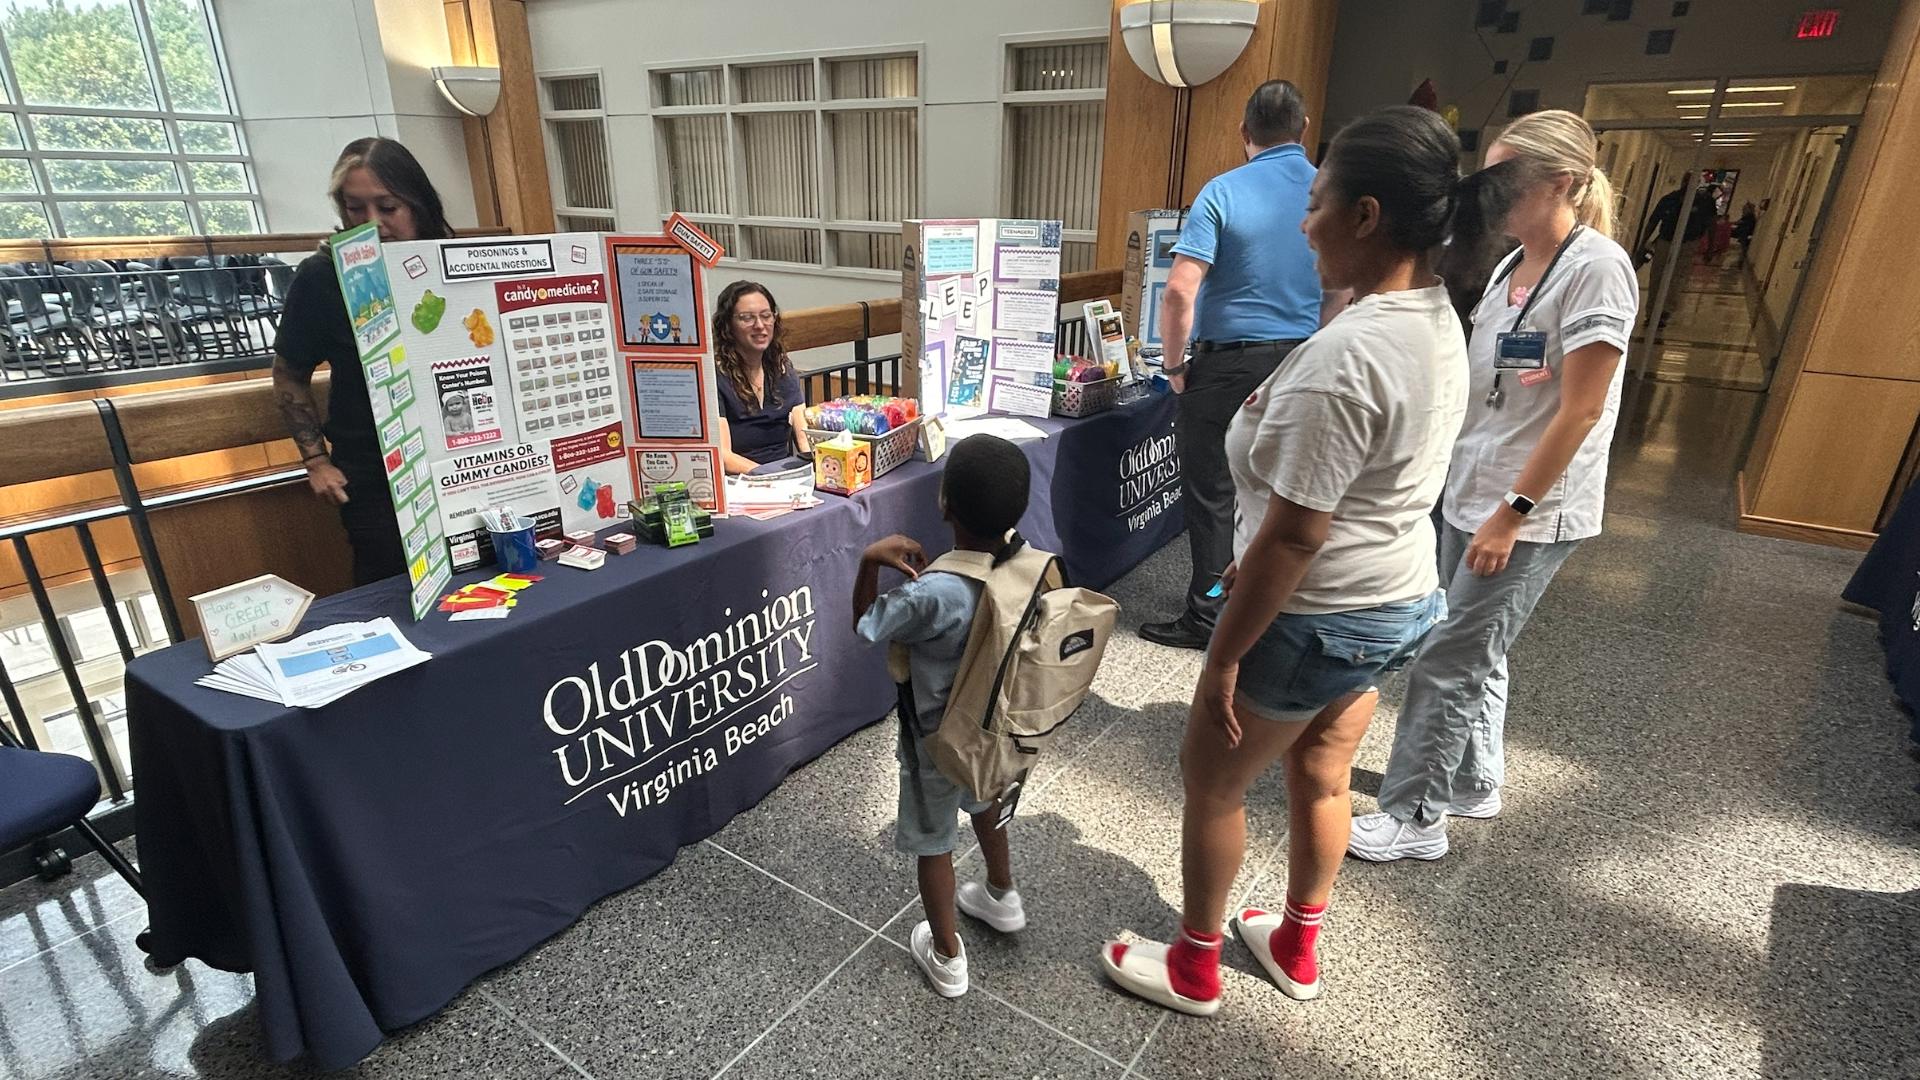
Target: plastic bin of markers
{"x": 890, "y": 451}
{"x": 1078, "y": 399}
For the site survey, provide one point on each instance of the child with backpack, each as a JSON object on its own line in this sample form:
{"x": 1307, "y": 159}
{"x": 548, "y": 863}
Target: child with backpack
{"x": 991, "y": 656}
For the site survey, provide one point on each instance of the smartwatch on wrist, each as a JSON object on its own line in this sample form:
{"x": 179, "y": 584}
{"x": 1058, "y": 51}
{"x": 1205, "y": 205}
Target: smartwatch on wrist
{"x": 1520, "y": 503}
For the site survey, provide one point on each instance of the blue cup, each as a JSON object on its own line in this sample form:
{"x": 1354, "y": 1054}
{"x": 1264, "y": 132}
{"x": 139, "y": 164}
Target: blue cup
{"x": 514, "y": 550}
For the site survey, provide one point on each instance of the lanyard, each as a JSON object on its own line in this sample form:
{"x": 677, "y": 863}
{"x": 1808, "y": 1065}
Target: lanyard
{"x": 1496, "y": 396}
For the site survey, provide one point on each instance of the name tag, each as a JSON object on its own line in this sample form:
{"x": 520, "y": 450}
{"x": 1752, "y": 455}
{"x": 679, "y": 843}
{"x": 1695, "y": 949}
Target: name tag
{"x": 1520, "y": 350}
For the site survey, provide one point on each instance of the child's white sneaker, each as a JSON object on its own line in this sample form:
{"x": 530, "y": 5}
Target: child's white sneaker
{"x": 948, "y": 975}
{"x": 1005, "y": 914}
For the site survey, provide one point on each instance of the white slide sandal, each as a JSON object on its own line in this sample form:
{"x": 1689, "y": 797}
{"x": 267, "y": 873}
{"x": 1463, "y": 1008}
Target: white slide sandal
{"x": 1256, "y": 928}
{"x": 1141, "y": 969}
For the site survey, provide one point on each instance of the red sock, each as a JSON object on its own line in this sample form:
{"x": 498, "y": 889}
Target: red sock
{"x": 1292, "y": 944}
{"x": 1193, "y": 965}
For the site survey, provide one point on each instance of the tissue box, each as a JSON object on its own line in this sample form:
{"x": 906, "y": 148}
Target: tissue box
{"x": 842, "y": 466}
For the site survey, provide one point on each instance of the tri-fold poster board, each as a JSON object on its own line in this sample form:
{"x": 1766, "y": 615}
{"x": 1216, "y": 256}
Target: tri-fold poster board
{"x": 979, "y": 313}
{"x": 561, "y": 375}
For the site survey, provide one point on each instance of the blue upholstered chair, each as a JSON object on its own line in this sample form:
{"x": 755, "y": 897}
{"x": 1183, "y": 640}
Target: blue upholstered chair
{"x": 46, "y": 792}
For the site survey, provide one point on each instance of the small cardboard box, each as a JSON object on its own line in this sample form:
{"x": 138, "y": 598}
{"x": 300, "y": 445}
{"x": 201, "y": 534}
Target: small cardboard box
{"x": 842, "y": 466}
{"x": 1151, "y": 235}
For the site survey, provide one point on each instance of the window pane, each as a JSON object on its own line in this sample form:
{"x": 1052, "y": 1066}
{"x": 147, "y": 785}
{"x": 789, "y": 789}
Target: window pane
{"x": 16, "y": 176}
{"x": 580, "y": 151}
{"x": 874, "y": 77}
{"x": 22, "y": 221}
{"x": 876, "y": 165}
{"x": 699, "y": 87}
{"x": 782, "y": 245}
{"x": 24, "y": 648}
{"x": 99, "y": 133}
{"x": 722, "y": 234}
{"x": 152, "y": 627}
{"x": 1081, "y": 66}
{"x": 696, "y": 149}
{"x": 582, "y": 223}
{"x": 1056, "y": 162}
{"x": 206, "y": 137}
{"x": 77, "y": 52}
{"x": 112, "y": 176}
{"x": 9, "y": 132}
{"x": 873, "y": 251}
{"x": 227, "y": 217}
{"x": 573, "y": 92}
{"x": 219, "y": 176}
{"x": 776, "y": 82}
{"x": 126, "y": 218}
{"x": 1076, "y": 255}
{"x": 779, "y": 162}
{"x": 181, "y": 38}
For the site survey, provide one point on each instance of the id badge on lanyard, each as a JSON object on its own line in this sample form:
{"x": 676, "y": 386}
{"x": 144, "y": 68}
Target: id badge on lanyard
{"x": 1524, "y": 350}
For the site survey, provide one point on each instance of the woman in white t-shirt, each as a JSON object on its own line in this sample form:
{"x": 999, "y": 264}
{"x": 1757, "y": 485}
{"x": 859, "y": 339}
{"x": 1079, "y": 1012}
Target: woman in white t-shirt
{"x": 1337, "y": 461}
{"x": 1528, "y": 481}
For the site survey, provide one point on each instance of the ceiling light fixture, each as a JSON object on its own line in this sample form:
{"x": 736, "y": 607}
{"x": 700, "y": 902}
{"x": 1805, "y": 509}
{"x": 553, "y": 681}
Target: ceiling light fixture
{"x": 1186, "y": 42}
{"x": 1736, "y": 90}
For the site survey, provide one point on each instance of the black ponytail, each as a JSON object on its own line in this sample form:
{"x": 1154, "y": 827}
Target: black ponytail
{"x": 1408, "y": 160}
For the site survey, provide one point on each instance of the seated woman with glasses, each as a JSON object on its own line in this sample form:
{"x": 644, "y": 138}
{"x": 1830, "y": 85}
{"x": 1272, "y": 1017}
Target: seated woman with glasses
{"x": 762, "y": 406}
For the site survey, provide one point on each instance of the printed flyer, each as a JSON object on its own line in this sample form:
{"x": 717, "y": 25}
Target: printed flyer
{"x": 591, "y": 469}
{"x": 698, "y": 467}
{"x": 559, "y": 354}
{"x": 468, "y": 404}
{"x": 657, "y": 307}
{"x": 520, "y": 476}
{"x": 373, "y": 310}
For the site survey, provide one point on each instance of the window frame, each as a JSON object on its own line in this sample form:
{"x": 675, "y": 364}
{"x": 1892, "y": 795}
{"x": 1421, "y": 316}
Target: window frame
{"x": 1011, "y": 99}
{"x": 50, "y": 200}
{"x": 549, "y": 115}
{"x": 825, "y": 223}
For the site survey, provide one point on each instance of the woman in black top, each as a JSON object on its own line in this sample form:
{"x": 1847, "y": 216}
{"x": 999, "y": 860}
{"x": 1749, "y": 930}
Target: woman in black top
{"x": 374, "y": 180}
{"x": 762, "y": 406}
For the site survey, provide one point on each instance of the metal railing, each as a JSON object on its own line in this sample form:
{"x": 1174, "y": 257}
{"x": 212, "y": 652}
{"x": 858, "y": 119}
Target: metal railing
{"x": 116, "y": 436}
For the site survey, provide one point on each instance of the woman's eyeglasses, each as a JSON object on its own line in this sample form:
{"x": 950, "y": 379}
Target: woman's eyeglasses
{"x": 749, "y": 318}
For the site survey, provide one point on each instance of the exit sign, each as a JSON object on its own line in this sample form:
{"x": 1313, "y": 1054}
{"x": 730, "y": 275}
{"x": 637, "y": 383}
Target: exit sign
{"x": 1815, "y": 25}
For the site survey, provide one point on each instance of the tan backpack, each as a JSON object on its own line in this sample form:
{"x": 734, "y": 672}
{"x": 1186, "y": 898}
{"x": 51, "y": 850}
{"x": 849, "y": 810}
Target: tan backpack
{"x": 1029, "y": 662}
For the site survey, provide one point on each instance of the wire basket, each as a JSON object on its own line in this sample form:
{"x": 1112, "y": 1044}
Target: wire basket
{"x": 1078, "y": 399}
{"x": 890, "y": 451}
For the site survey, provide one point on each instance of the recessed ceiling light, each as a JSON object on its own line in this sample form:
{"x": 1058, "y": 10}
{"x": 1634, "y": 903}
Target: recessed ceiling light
{"x": 1732, "y": 105}
{"x": 1735, "y": 90}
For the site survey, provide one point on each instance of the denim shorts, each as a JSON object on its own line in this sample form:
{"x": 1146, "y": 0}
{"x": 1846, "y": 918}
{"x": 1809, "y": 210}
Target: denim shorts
{"x": 1303, "y": 663}
{"x": 927, "y": 819}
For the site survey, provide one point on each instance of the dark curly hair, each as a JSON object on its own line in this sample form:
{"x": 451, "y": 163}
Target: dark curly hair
{"x": 727, "y": 358}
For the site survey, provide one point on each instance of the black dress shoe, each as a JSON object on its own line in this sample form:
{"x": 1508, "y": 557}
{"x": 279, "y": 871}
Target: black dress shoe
{"x": 1181, "y": 633}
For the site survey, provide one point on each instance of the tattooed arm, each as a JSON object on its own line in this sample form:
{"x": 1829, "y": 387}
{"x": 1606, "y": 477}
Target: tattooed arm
{"x": 293, "y": 392}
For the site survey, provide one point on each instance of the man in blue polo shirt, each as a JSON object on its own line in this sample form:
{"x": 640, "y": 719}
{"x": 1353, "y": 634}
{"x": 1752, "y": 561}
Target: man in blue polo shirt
{"x": 1244, "y": 289}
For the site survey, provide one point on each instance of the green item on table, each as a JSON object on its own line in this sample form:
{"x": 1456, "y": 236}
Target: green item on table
{"x": 427, "y": 313}
{"x": 680, "y": 527}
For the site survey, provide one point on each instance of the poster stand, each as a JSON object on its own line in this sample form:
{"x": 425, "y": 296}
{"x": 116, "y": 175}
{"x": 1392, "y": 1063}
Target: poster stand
{"x": 979, "y": 312}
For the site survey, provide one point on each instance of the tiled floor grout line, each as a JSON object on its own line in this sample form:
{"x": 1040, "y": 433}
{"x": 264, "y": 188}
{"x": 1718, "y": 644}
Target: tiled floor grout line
{"x": 1018, "y": 1011}
{"x": 776, "y": 877}
{"x": 1142, "y": 1052}
{"x": 521, "y": 1022}
{"x": 795, "y": 1007}
{"x": 89, "y": 932}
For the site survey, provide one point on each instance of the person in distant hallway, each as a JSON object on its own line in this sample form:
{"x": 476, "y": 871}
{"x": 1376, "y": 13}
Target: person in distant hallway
{"x": 374, "y": 180}
{"x": 1527, "y": 484}
{"x": 1656, "y": 239}
{"x": 1244, "y": 290}
{"x": 1744, "y": 228}
{"x": 762, "y": 405}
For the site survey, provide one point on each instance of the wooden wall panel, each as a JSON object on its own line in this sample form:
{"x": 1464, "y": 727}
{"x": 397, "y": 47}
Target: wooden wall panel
{"x": 506, "y": 150}
{"x": 1136, "y": 157}
{"x": 221, "y": 541}
{"x": 1856, "y": 338}
{"x": 1854, "y": 432}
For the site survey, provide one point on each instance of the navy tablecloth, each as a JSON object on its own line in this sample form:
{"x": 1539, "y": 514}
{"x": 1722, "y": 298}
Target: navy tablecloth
{"x": 369, "y": 859}
{"x": 1888, "y": 581}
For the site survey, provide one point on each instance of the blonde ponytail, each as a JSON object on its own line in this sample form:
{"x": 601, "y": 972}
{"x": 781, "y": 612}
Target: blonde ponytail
{"x": 1595, "y": 203}
{"x": 1555, "y": 142}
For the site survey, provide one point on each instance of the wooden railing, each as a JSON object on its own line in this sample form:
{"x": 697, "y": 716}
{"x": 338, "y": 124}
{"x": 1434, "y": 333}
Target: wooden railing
{"x": 67, "y": 249}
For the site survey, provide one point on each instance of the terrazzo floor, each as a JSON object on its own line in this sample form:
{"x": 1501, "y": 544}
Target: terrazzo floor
{"x": 1707, "y": 868}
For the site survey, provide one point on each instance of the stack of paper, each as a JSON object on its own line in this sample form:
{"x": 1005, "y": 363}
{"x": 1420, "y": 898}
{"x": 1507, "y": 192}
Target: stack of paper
{"x": 1006, "y": 427}
{"x": 489, "y": 599}
{"x": 317, "y": 667}
{"x": 765, "y": 495}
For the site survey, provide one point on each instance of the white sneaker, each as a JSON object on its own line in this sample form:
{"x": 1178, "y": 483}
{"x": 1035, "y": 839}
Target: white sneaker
{"x": 948, "y": 976}
{"x": 1006, "y": 914}
{"x": 1383, "y": 838}
{"x": 1478, "y": 804}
